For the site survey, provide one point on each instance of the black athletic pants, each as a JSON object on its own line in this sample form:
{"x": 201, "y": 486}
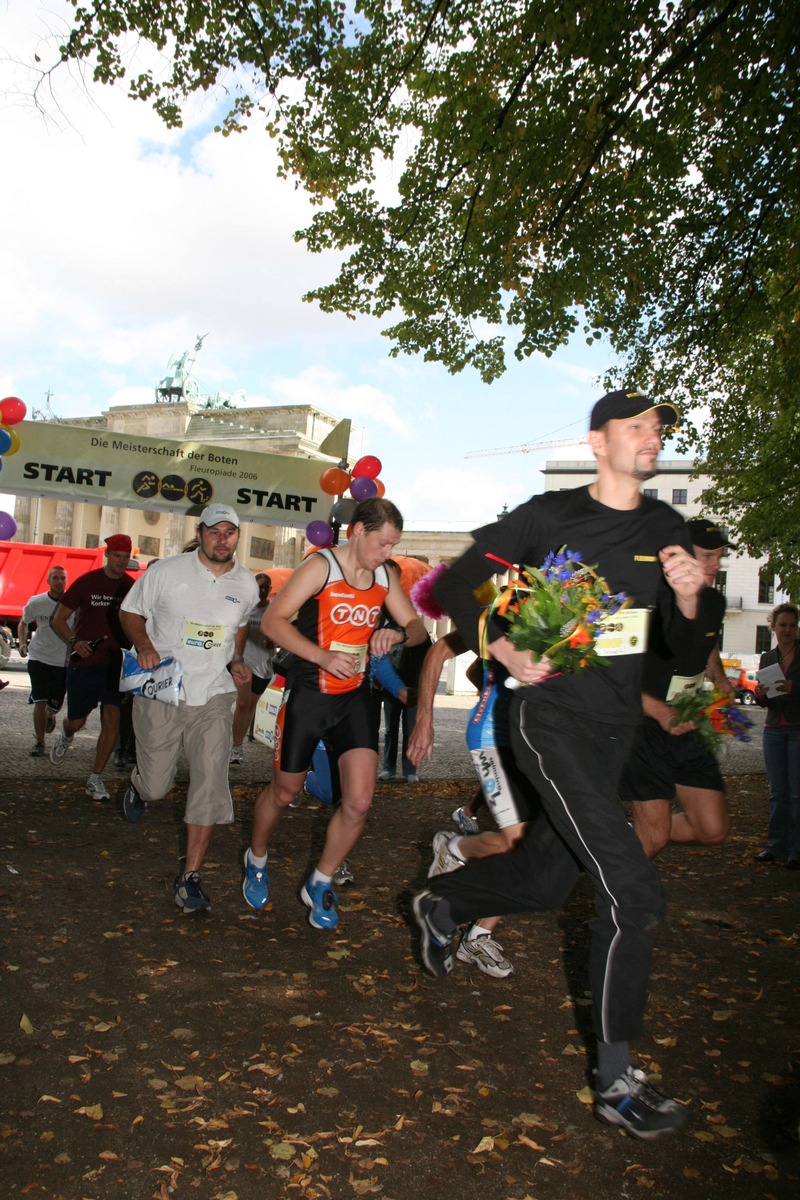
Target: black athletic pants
{"x": 575, "y": 767}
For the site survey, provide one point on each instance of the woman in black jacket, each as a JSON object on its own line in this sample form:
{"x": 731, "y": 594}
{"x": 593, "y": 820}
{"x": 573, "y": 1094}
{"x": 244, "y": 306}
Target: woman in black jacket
{"x": 782, "y": 741}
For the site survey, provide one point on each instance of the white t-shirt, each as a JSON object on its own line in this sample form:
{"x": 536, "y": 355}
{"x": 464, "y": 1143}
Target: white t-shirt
{"x": 193, "y": 615}
{"x": 45, "y": 646}
{"x": 256, "y": 655}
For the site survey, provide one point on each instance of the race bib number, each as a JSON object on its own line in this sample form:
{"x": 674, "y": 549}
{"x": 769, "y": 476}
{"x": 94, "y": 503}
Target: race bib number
{"x": 359, "y": 651}
{"x": 203, "y": 637}
{"x": 682, "y": 683}
{"x": 624, "y": 633}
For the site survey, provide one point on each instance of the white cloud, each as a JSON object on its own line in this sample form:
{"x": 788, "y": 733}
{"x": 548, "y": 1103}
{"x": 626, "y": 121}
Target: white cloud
{"x": 326, "y": 389}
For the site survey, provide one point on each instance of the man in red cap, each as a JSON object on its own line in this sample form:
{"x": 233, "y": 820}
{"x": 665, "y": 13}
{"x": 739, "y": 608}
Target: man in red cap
{"x": 95, "y": 656}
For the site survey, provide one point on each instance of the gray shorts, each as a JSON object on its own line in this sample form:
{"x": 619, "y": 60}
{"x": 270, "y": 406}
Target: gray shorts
{"x": 203, "y": 732}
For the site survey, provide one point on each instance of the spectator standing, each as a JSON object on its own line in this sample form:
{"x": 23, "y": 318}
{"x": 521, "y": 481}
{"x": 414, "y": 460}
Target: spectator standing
{"x": 258, "y": 651}
{"x": 782, "y": 740}
{"x": 46, "y": 655}
{"x": 195, "y": 608}
{"x": 95, "y": 639}
{"x": 407, "y": 662}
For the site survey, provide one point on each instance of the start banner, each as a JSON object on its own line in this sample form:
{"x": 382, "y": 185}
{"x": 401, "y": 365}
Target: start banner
{"x": 69, "y": 462}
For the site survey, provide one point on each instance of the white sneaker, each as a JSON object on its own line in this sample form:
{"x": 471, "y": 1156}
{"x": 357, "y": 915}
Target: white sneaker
{"x": 58, "y": 751}
{"x": 486, "y": 954}
{"x": 384, "y": 776}
{"x": 96, "y": 788}
{"x": 443, "y": 860}
{"x": 236, "y": 756}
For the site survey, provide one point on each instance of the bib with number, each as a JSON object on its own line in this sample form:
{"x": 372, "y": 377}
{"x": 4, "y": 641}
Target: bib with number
{"x": 198, "y": 636}
{"x": 624, "y": 633}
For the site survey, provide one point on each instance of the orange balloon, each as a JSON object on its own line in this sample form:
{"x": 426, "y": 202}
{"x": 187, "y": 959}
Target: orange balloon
{"x": 349, "y": 532}
{"x": 334, "y": 481}
{"x": 381, "y": 489}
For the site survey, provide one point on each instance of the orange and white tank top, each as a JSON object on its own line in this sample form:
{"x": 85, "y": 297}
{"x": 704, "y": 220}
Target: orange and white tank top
{"x": 340, "y": 617}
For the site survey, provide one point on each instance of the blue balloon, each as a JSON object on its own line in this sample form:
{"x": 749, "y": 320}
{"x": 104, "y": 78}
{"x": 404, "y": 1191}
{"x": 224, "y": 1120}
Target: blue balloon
{"x": 6, "y": 441}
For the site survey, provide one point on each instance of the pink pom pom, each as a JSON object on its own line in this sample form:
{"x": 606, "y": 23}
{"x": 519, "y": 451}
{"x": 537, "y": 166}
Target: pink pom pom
{"x": 422, "y": 596}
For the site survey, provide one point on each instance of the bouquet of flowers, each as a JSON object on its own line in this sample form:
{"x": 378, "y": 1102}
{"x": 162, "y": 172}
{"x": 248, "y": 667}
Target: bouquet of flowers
{"x": 714, "y": 714}
{"x": 558, "y": 610}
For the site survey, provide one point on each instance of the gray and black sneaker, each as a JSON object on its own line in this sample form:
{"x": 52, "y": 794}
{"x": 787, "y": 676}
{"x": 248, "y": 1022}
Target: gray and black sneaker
{"x": 133, "y": 805}
{"x": 438, "y": 930}
{"x": 189, "y": 895}
{"x": 343, "y": 875}
{"x": 37, "y": 750}
{"x": 59, "y": 749}
{"x": 464, "y": 823}
{"x": 633, "y": 1104}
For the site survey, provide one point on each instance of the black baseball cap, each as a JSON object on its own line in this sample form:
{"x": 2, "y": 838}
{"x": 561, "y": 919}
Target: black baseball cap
{"x": 619, "y": 406}
{"x": 707, "y": 535}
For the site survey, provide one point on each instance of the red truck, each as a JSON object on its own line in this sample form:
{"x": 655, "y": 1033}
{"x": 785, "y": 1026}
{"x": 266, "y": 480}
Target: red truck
{"x": 23, "y": 573}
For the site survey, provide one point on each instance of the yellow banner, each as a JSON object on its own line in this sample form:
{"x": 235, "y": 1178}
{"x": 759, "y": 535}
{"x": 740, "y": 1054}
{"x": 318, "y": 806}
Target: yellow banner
{"x": 92, "y": 466}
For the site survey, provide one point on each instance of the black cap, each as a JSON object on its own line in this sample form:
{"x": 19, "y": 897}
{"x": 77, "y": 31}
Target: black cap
{"x": 707, "y": 535}
{"x": 619, "y": 406}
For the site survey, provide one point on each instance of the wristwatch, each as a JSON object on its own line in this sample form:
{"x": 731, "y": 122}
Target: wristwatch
{"x": 72, "y": 640}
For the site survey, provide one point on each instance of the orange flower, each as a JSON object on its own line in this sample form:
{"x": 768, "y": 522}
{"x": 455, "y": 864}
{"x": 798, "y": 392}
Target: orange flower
{"x": 580, "y": 637}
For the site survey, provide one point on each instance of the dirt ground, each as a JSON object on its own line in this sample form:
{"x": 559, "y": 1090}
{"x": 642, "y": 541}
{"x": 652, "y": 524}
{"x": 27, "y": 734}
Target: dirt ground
{"x": 228, "y": 1056}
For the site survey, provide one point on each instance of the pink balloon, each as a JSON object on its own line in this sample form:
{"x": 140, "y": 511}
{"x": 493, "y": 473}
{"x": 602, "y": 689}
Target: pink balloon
{"x": 12, "y": 410}
{"x": 368, "y": 466}
{"x": 319, "y": 533}
{"x": 363, "y": 488}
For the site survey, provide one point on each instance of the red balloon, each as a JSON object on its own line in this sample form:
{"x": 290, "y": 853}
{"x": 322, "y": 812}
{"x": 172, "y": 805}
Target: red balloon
{"x": 334, "y": 481}
{"x": 12, "y": 410}
{"x": 368, "y": 466}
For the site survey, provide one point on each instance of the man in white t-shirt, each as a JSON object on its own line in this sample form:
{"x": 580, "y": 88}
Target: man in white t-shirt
{"x": 46, "y": 655}
{"x": 258, "y": 653}
{"x": 195, "y": 608}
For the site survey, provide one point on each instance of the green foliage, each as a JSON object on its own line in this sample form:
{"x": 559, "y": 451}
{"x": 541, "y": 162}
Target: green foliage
{"x": 501, "y": 173}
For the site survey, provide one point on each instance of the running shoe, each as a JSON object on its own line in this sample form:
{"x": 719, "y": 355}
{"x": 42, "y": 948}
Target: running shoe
{"x": 133, "y": 805}
{"x": 37, "y": 751}
{"x": 96, "y": 788}
{"x": 51, "y": 722}
{"x": 412, "y": 778}
{"x": 385, "y": 776}
{"x": 438, "y": 930}
{"x": 236, "y": 756}
{"x": 486, "y": 954}
{"x": 255, "y": 885}
{"x": 321, "y": 899}
{"x": 464, "y": 823}
{"x": 633, "y": 1104}
{"x": 189, "y": 895}
{"x": 343, "y": 875}
{"x": 58, "y": 751}
{"x": 443, "y": 860}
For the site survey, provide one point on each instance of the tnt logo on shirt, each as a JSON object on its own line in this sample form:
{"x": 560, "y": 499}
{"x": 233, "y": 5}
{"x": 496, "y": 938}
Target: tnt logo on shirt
{"x": 203, "y": 637}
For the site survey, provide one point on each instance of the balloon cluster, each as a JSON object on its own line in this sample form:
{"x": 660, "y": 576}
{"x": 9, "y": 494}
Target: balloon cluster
{"x": 12, "y": 411}
{"x": 362, "y": 483}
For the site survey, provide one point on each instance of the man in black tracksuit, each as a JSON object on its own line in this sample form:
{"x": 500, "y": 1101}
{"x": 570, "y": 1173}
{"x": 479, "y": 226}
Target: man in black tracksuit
{"x": 571, "y": 734}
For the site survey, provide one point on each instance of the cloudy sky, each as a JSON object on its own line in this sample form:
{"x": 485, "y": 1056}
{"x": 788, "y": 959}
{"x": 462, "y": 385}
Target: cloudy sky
{"x": 123, "y": 241}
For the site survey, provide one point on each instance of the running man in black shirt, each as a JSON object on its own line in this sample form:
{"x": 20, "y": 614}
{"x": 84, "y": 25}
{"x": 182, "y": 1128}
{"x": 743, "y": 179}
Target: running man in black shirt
{"x": 571, "y": 734}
